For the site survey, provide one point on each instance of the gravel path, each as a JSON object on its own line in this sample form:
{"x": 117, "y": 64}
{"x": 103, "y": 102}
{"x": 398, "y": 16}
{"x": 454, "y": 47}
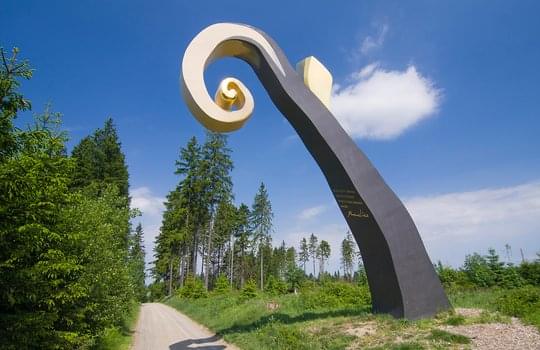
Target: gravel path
{"x": 497, "y": 336}
{"x": 161, "y": 327}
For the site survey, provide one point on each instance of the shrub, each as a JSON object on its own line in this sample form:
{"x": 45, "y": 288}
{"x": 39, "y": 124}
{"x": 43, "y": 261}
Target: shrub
{"x": 452, "y": 279}
{"x": 478, "y": 271}
{"x": 519, "y": 302}
{"x": 530, "y": 272}
{"x": 249, "y": 291}
{"x": 222, "y": 285}
{"x": 275, "y": 286}
{"x": 193, "y": 289}
{"x": 336, "y": 294}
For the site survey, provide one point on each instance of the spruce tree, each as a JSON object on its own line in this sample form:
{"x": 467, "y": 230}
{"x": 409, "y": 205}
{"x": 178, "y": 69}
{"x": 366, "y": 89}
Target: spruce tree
{"x": 137, "y": 255}
{"x": 303, "y": 255}
{"x": 261, "y": 225}
{"x": 100, "y": 161}
{"x": 347, "y": 256}
{"x": 243, "y": 237}
{"x": 323, "y": 253}
{"x": 312, "y": 249}
{"x": 216, "y": 166}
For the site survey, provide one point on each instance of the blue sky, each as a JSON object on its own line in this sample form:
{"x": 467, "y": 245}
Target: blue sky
{"x": 443, "y": 97}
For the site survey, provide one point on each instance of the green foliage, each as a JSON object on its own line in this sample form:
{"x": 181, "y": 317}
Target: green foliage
{"x": 249, "y": 291}
{"x": 335, "y": 294}
{"x": 294, "y": 277}
{"x": 136, "y": 259}
{"x": 478, "y": 271}
{"x": 347, "y": 256}
{"x": 455, "y": 320}
{"x": 530, "y": 272}
{"x": 193, "y": 289}
{"x": 222, "y": 285}
{"x": 453, "y": 279}
{"x": 275, "y": 286}
{"x": 11, "y": 101}
{"x": 65, "y": 280}
{"x": 100, "y": 161}
{"x": 519, "y": 302}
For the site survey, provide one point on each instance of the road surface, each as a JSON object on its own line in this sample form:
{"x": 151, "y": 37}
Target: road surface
{"x": 161, "y": 327}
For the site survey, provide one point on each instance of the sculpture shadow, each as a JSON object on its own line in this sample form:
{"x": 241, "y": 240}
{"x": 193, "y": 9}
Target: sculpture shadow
{"x": 202, "y": 343}
{"x": 284, "y": 318}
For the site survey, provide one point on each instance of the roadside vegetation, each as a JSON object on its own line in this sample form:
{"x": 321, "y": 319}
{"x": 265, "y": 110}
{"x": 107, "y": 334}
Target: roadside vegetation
{"x": 335, "y": 313}
{"x": 71, "y": 265}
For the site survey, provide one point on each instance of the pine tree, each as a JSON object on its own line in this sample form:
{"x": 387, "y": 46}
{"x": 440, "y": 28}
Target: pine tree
{"x": 216, "y": 166}
{"x": 312, "y": 249}
{"x": 11, "y": 101}
{"x": 347, "y": 256}
{"x": 100, "y": 161}
{"x": 243, "y": 235}
{"x": 323, "y": 253}
{"x": 137, "y": 262}
{"x": 303, "y": 255}
{"x": 261, "y": 224}
{"x": 190, "y": 195}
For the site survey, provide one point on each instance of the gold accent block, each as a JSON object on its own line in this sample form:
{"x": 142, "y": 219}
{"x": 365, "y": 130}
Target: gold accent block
{"x": 317, "y": 78}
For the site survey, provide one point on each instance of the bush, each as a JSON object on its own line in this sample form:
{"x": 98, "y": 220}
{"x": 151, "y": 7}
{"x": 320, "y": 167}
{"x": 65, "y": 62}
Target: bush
{"x": 275, "y": 286}
{"x": 249, "y": 291}
{"x": 222, "y": 285}
{"x": 519, "y": 302}
{"x": 452, "y": 279}
{"x": 193, "y": 289}
{"x": 530, "y": 272}
{"x": 336, "y": 294}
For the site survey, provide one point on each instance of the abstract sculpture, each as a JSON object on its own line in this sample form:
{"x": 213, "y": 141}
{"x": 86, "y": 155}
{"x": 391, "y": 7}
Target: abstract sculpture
{"x": 401, "y": 278}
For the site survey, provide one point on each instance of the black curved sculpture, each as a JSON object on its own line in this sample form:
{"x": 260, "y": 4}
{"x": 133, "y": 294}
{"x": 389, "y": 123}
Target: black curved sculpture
{"x": 401, "y": 277}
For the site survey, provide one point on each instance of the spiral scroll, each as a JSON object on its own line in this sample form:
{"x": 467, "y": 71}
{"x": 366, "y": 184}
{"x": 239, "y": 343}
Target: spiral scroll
{"x": 401, "y": 277}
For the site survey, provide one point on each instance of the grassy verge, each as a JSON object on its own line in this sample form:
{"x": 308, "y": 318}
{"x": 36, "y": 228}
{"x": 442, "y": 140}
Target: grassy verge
{"x": 521, "y": 302}
{"x": 282, "y": 322}
{"x": 120, "y": 338}
{"x": 318, "y": 319}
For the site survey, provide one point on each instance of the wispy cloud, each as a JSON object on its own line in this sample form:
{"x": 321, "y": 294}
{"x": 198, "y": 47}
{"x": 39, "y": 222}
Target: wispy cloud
{"x": 310, "y": 213}
{"x": 143, "y": 199}
{"x": 371, "y": 43}
{"x": 152, "y": 207}
{"x": 483, "y": 213}
{"x": 382, "y": 104}
{"x": 452, "y": 225}
{"x": 455, "y": 224}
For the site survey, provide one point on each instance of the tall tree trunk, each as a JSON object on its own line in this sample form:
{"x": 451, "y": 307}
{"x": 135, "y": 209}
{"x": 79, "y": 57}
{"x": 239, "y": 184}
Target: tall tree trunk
{"x": 170, "y": 276}
{"x": 208, "y": 251}
{"x": 314, "y": 267}
{"x": 195, "y": 250}
{"x": 242, "y": 270}
{"x": 262, "y": 271}
{"x": 231, "y": 265}
{"x": 183, "y": 266}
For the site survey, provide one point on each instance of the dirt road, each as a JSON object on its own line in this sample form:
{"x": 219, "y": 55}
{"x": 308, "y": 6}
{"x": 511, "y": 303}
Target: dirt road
{"x": 161, "y": 327}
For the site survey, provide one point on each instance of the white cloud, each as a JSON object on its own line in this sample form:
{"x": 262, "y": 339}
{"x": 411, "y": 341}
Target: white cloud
{"x": 152, "y": 208}
{"x": 143, "y": 199}
{"x": 505, "y": 210}
{"x": 371, "y": 43}
{"x": 310, "y": 213}
{"x": 451, "y": 225}
{"x": 382, "y": 104}
{"x": 455, "y": 224}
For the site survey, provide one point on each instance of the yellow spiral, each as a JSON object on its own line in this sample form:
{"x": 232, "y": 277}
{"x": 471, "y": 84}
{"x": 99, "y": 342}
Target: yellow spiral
{"x": 229, "y": 94}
